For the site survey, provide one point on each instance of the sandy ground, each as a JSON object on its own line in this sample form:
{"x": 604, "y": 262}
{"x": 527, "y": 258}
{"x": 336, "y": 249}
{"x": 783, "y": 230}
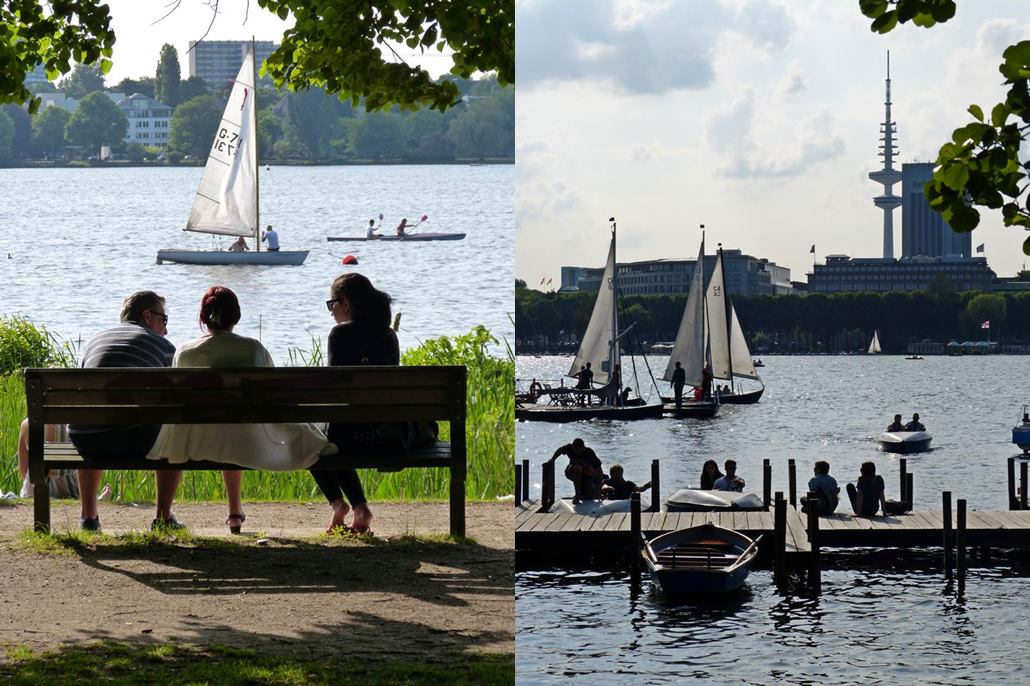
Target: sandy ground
{"x": 279, "y": 587}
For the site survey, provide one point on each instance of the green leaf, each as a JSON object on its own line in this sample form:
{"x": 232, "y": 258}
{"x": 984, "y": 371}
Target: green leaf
{"x": 954, "y": 176}
{"x": 999, "y": 114}
{"x": 977, "y": 112}
{"x": 872, "y": 8}
{"x": 1026, "y": 247}
{"x": 964, "y": 220}
{"x": 885, "y": 22}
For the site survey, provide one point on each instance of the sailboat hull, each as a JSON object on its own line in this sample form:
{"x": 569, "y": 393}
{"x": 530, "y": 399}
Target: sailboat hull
{"x": 747, "y": 398}
{"x": 556, "y": 413}
{"x": 691, "y": 409}
{"x": 224, "y": 257}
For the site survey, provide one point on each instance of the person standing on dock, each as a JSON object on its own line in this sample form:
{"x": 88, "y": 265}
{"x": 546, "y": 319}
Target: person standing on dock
{"x": 826, "y": 489}
{"x": 583, "y": 470}
{"x": 679, "y": 380}
{"x": 867, "y": 495}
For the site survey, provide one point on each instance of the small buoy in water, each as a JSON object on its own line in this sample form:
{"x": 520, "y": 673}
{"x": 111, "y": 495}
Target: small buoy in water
{"x": 349, "y": 259}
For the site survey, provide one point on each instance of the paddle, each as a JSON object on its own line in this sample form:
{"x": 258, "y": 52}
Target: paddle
{"x": 419, "y": 222}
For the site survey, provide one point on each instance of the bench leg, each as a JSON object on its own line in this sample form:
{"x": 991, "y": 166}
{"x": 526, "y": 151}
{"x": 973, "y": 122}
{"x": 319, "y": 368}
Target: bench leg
{"x": 41, "y": 506}
{"x": 457, "y": 502}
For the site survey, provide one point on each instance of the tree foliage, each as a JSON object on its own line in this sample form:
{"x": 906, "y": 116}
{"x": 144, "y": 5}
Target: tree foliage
{"x": 48, "y": 130}
{"x": 83, "y": 80}
{"x": 981, "y": 164}
{"x": 168, "y": 76}
{"x": 143, "y": 86}
{"x": 337, "y": 46}
{"x": 96, "y": 122}
{"x": 191, "y": 88}
{"x": 6, "y": 137}
{"x": 193, "y": 126}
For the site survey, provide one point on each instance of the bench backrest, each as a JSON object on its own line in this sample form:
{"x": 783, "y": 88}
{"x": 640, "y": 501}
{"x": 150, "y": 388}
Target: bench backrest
{"x": 245, "y": 395}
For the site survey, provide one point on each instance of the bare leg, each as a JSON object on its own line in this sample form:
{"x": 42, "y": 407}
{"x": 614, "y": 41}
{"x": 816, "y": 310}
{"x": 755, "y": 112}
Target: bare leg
{"x": 233, "y": 486}
{"x": 23, "y": 449}
{"x": 89, "y": 481}
{"x": 340, "y": 510}
{"x": 167, "y": 483}
{"x": 362, "y": 518}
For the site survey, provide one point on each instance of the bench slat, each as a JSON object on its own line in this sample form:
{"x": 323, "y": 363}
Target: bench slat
{"x": 131, "y": 414}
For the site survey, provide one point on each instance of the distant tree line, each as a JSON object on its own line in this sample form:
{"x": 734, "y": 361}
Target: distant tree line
{"x": 295, "y": 127}
{"x": 814, "y": 322}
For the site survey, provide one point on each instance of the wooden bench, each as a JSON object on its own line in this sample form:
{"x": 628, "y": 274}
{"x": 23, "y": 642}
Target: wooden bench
{"x": 114, "y": 396}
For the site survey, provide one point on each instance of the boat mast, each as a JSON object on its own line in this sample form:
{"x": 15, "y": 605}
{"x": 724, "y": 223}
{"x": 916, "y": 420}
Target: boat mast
{"x": 613, "y": 352}
{"x": 704, "y": 304}
{"x": 729, "y": 314}
{"x": 254, "y": 137}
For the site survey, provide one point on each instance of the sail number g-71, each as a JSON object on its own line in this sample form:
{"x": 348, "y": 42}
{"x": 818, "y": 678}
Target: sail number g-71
{"x": 226, "y": 141}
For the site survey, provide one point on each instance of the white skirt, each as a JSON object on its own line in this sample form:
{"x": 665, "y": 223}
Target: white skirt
{"x": 269, "y": 447}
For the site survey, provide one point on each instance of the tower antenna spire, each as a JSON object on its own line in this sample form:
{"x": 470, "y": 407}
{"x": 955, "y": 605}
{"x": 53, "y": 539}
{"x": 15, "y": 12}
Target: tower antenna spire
{"x": 887, "y": 176}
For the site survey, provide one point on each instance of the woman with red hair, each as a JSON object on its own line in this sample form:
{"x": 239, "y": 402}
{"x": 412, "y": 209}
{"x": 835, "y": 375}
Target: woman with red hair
{"x": 274, "y": 447}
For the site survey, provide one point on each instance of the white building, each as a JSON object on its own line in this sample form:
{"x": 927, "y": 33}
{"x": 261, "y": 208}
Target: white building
{"x": 149, "y": 120}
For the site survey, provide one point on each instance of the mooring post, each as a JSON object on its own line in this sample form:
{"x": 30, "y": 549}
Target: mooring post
{"x": 903, "y": 466}
{"x": 792, "y": 482}
{"x": 656, "y": 488}
{"x": 1012, "y": 483}
{"x": 814, "y": 573}
{"x": 635, "y": 539}
{"x": 518, "y": 483}
{"x": 1022, "y": 485}
{"x": 960, "y": 544}
{"x": 908, "y": 490}
{"x": 525, "y": 480}
{"x": 766, "y": 483}
{"x": 547, "y": 486}
{"x": 779, "y": 539}
{"x": 949, "y": 539}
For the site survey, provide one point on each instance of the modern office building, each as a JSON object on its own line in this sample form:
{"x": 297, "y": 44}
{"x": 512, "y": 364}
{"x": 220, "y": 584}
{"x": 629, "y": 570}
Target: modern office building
{"x": 842, "y": 273}
{"x": 924, "y": 232}
{"x": 149, "y": 120}
{"x": 745, "y": 275}
{"x": 218, "y": 61}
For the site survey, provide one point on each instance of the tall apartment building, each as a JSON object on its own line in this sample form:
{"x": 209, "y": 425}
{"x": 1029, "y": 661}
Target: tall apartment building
{"x": 218, "y": 61}
{"x": 924, "y": 232}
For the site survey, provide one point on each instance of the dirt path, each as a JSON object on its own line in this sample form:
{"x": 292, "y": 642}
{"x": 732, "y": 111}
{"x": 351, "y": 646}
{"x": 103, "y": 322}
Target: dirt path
{"x": 293, "y": 592}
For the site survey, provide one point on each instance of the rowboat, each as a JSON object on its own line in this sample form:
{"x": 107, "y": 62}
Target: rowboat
{"x": 701, "y": 559}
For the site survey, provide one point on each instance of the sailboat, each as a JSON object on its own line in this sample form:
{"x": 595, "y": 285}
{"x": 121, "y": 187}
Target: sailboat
{"x": 600, "y": 343}
{"x": 690, "y": 348}
{"x": 874, "y": 345}
{"x": 227, "y": 200}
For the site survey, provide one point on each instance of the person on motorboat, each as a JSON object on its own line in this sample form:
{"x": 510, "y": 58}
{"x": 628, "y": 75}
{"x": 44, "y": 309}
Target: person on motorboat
{"x": 400, "y": 227}
{"x": 615, "y": 487}
{"x": 915, "y": 424}
{"x": 827, "y": 492}
{"x": 896, "y": 425}
{"x": 370, "y": 232}
{"x": 867, "y": 494}
{"x": 709, "y": 475}
{"x": 729, "y": 481}
{"x": 239, "y": 245}
{"x": 583, "y": 470}
{"x": 679, "y": 380}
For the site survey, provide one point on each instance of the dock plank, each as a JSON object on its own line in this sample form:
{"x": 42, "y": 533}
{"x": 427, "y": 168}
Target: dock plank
{"x": 615, "y": 521}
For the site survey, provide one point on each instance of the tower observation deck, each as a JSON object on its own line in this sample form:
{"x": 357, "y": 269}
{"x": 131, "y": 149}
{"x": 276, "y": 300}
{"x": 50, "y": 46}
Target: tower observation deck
{"x": 888, "y": 175}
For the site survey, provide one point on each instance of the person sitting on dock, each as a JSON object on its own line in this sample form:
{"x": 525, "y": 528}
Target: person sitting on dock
{"x": 827, "y": 492}
{"x": 679, "y": 380}
{"x": 615, "y": 487}
{"x": 370, "y": 232}
{"x": 730, "y": 481}
{"x": 896, "y": 425}
{"x": 709, "y": 475}
{"x": 915, "y": 424}
{"x": 867, "y": 495}
{"x": 583, "y": 470}
{"x": 239, "y": 245}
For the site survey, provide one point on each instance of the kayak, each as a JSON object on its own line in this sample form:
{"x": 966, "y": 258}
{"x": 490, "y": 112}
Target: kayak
{"x": 426, "y": 236}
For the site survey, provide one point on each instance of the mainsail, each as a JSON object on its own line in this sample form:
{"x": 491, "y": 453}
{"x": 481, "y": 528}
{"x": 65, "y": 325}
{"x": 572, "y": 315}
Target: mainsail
{"x": 596, "y": 346}
{"x": 226, "y": 202}
{"x": 874, "y": 345}
{"x": 689, "y": 348}
{"x": 718, "y": 327}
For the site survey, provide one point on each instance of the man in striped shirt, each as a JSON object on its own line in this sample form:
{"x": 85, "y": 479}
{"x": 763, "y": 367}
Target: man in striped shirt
{"x": 138, "y": 341}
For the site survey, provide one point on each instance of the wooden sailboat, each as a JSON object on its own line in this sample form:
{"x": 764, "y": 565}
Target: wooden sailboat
{"x": 227, "y": 200}
{"x": 600, "y": 343}
{"x": 731, "y": 357}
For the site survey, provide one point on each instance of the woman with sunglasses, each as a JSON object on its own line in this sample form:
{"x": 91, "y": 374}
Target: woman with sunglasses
{"x": 362, "y": 335}
{"x": 273, "y": 447}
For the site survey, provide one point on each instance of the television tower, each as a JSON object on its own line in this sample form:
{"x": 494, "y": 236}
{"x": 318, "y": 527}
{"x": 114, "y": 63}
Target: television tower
{"x": 888, "y": 176}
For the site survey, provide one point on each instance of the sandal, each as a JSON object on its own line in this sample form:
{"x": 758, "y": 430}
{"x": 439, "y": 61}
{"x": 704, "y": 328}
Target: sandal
{"x": 236, "y": 529}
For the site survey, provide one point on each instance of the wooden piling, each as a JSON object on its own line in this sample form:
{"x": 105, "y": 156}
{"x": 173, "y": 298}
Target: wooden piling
{"x": 960, "y": 544}
{"x": 792, "y": 482}
{"x": 779, "y": 539}
{"x": 903, "y": 466}
{"x": 518, "y": 483}
{"x": 949, "y": 537}
{"x": 656, "y": 488}
{"x": 1012, "y": 483}
{"x": 766, "y": 483}
{"x": 525, "y": 480}
{"x": 814, "y": 572}
{"x": 908, "y": 490}
{"x": 1022, "y": 485}
{"x": 635, "y": 538}
{"x": 547, "y": 486}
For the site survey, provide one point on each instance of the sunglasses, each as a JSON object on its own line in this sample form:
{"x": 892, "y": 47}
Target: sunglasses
{"x": 329, "y": 304}
{"x": 162, "y": 315}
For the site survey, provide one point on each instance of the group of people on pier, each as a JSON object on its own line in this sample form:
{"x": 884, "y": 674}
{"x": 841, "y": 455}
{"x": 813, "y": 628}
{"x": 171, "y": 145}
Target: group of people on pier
{"x": 587, "y": 475}
{"x": 362, "y": 335}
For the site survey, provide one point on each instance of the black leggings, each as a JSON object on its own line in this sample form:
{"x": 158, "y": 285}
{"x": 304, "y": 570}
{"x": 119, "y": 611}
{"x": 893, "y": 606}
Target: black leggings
{"x": 337, "y": 483}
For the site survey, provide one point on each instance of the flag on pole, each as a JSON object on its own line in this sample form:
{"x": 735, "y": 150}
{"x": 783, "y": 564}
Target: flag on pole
{"x": 985, "y": 324}
{"x": 813, "y": 249}
{"x": 980, "y": 248}
{"x": 549, "y": 281}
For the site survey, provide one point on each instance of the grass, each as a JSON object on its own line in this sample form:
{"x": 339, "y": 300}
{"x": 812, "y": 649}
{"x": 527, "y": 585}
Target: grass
{"x": 119, "y": 662}
{"x": 490, "y": 438}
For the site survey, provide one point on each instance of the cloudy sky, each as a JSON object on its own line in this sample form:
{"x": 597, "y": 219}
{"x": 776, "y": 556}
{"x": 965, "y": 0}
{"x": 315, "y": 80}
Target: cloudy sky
{"x": 757, "y": 118}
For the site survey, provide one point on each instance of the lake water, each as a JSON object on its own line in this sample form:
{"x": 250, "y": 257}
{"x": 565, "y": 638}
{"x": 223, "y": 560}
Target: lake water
{"x": 869, "y": 626}
{"x": 80, "y": 240}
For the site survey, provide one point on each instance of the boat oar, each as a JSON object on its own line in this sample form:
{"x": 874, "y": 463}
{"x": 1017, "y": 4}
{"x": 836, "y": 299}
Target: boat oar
{"x": 419, "y": 222}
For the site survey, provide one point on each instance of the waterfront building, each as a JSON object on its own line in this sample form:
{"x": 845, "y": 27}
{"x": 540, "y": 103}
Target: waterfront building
{"x": 149, "y": 119}
{"x": 842, "y": 273}
{"x": 58, "y": 100}
{"x": 218, "y": 61}
{"x": 924, "y": 232}
{"x": 745, "y": 276}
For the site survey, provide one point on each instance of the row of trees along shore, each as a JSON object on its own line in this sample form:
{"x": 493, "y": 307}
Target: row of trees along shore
{"x": 304, "y": 126}
{"x": 838, "y": 322}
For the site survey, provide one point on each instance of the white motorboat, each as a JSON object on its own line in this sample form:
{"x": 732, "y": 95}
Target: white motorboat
{"x": 905, "y": 441}
{"x": 698, "y": 500}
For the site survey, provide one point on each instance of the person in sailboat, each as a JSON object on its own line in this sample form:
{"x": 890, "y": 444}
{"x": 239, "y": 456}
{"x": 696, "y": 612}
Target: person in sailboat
{"x": 271, "y": 237}
{"x": 896, "y": 425}
{"x": 709, "y": 475}
{"x": 239, "y": 245}
{"x": 616, "y": 487}
{"x": 915, "y": 424}
{"x": 585, "y": 380}
{"x": 362, "y": 335}
{"x": 729, "y": 481}
{"x": 370, "y": 232}
{"x": 401, "y": 226}
{"x": 584, "y": 469}
{"x": 679, "y": 380}
{"x": 275, "y": 447}
{"x": 615, "y": 386}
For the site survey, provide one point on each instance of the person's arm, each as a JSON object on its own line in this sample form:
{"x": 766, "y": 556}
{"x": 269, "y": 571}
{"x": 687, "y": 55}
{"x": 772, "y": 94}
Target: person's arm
{"x": 883, "y": 496}
{"x": 557, "y": 452}
{"x": 641, "y": 489}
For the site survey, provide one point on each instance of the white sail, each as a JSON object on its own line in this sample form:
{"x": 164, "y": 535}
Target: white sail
{"x": 718, "y": 329}
{"x": 874, "y": 345}
{"x": 226, "y": 202}
{"x": 743, "y": 365}
{"x": 595, "y": 347}
{"x": 689, "y": 349}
